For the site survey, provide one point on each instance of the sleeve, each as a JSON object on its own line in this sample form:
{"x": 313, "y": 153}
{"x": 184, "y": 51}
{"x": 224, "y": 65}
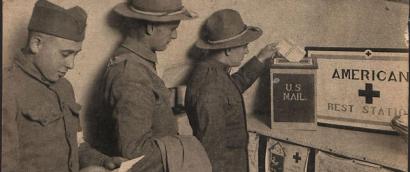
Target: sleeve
{"x": 10, "y": 140}
{"x": 248, "y": 74}
{"x": 134, "y": 104}
{"x": 89, "y": 156}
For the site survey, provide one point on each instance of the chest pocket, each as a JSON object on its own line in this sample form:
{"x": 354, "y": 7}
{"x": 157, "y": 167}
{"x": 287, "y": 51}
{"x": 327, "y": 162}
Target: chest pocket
{"x": 43, "y": 114}
{"x": 46, "y": 114}
{"x": 73, "y": 112}
{"x": 161, "y": 93}
{"x": 161, "y": 97}
{"x": 157, "y": 97}
{"x": 74, "y": 108}
{"x": 234, "y": 104}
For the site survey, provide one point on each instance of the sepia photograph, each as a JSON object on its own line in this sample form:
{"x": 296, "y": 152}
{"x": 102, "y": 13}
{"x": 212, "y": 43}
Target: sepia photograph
{"x": 205, "y": 86}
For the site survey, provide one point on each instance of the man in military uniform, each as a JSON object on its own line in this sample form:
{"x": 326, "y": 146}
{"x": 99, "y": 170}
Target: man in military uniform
{"x": 214, "y": 101}
{"x": 136, "y": 108}
{"x": 39, "y": 112}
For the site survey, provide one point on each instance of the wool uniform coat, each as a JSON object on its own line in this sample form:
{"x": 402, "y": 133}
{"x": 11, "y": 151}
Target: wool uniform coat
{"x": 136, "y": 108}
{"x": 216, "y": 112}
{"x": 39, "y": 121}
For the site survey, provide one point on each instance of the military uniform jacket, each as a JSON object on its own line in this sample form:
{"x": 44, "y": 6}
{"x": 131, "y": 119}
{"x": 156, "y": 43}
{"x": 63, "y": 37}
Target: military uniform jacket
{"x": 39, "y": 122}
{"x": 136, "y": 107}
{"x": 215, "y": 109}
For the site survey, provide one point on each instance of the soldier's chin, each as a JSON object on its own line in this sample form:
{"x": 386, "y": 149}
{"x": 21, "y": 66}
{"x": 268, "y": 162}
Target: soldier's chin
{"x": 160, "y": 47}
{"x": 236, "y": 64}
{"x": 55, "y": 78}
{"x": 163, "y": 48}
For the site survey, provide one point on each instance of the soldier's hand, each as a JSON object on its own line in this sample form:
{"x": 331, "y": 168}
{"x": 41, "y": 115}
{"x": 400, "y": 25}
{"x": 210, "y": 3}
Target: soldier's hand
{"x": 94, "y": 169}
{"x": 270, "y": 51}
{"x": 112, "y": 163}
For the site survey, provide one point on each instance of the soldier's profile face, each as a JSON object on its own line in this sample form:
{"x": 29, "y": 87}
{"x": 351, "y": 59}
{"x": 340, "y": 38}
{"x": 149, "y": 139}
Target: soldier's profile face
{"x": 164, "y": 33}
{"x": 56, "y": 56}
{"x": 237, "y": 54}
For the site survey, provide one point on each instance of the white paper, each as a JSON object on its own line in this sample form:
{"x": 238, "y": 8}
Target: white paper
{"x": 290, "y": 50}
{"x": 125, "y": 166}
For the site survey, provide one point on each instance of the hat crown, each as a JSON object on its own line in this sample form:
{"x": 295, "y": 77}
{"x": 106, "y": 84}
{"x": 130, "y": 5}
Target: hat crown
{"x": 224, "y": 24}
{"x": 78, "y": 14}
{"x": 54, "y": 20}
{"x": 157, "y": 5}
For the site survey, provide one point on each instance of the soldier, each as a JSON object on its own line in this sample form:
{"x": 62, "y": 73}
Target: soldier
{"x": 214, "y": 99}
{"x": 39, "y": 112}
{"x": 136, "y": 108}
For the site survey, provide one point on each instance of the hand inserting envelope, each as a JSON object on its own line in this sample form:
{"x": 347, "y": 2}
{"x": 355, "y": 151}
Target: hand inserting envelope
{"x": 291, "y": 51}
{"x": 126, "y": 166}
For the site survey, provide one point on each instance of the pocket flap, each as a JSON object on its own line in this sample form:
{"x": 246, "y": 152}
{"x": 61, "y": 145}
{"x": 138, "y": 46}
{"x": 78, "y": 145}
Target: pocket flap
{"x": 234, "y": 100}
{"x": 75, "y": 108}
{"x": 42, "y": 115}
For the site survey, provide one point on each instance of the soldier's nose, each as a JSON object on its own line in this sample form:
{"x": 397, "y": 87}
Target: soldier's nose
{"x": 69, "y": 63}
{"x": 174, "y": 34}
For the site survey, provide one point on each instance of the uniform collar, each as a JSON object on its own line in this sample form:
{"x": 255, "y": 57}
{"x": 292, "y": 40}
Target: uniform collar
{"x": 215, "y": 64}
{"x": 140, "y": 49}
{"x": 25, "y": 64}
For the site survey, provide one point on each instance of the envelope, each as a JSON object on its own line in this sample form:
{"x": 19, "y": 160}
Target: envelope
{"x": 126, "y": 165}
{"x": 290, "y": 50}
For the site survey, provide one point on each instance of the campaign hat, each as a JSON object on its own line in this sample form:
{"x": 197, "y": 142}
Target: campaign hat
{"x": 155, "y": 10}
{"x": 226, "y": 29}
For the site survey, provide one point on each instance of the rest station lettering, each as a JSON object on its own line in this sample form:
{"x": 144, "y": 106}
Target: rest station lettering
{"x": 372, "y": 110}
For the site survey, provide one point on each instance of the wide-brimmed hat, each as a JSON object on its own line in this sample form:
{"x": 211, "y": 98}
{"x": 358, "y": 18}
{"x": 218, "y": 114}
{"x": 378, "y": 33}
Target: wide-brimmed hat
{"x": 155, "y": 10}
{"x": 226, "y": 29}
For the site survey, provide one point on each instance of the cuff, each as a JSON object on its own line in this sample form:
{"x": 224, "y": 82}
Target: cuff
{"x": 255, "y": 66}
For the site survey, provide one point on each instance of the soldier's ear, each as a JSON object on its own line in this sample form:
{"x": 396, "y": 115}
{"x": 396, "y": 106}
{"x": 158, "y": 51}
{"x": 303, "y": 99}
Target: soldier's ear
{"x": 35, "y": 43}
{"x": 228, "y": 52}
{"x": 149, "y": 28}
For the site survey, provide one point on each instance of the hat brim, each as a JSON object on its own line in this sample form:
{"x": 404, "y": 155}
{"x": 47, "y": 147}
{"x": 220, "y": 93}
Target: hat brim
{"x": 123, "y": 10}
{"x": 250, "y": 35}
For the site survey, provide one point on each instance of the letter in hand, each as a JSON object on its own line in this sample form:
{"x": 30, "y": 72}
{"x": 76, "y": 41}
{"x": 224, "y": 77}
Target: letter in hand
{"x": 94, "y": 169}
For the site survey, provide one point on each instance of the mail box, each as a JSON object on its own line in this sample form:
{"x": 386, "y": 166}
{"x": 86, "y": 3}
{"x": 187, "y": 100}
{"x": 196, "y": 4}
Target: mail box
{"x": 292, "y": 91}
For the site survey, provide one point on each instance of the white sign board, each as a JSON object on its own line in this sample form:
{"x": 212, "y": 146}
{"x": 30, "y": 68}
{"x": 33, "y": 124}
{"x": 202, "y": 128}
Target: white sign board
{"x": 361, "y": 89}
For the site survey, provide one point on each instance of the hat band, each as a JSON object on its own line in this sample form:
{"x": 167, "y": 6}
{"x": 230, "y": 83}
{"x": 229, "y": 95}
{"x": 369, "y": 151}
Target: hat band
{"x": 230, "y": 38}
{"x": 157, "y": 13}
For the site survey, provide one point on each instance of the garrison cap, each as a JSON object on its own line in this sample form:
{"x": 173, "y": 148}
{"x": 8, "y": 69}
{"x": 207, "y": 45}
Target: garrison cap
{"x": 54, "y": 20}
